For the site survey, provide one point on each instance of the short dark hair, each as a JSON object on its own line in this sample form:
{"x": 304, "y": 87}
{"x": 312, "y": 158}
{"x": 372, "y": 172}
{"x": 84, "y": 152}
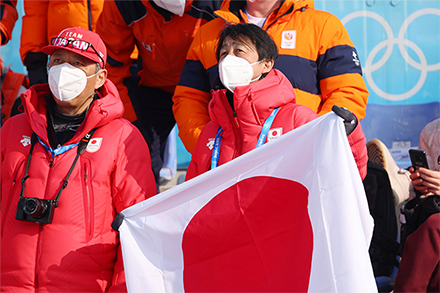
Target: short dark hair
{"x": 247, "y": 32}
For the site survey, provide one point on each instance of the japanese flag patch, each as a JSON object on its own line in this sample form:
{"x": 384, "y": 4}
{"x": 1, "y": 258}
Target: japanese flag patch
{"x": 94, "y": 145}
{"x": 274, "y": 133}
{"x": 288, "y": 40}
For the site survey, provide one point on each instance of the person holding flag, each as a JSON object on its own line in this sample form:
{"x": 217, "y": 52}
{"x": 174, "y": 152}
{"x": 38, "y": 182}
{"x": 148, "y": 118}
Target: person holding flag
{"x": 315, "y": 53}
{"x": 253, "y": 103}
{"x": 286, "y": 216}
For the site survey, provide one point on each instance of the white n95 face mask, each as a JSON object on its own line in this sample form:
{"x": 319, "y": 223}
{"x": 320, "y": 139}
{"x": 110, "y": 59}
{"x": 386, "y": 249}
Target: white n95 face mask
{"x": 174, "y": 6}
{"x": 66, "y": 81}
{"x": 235, "y": 71}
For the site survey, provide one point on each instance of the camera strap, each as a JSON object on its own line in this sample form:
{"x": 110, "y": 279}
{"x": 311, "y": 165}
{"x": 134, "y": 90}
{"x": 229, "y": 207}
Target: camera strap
{"x": 34, "y": 140}
{"x": 81, "y": 148}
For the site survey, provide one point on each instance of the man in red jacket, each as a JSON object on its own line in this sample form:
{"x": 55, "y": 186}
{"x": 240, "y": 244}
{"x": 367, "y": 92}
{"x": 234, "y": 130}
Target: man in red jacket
{"x": 315, "y": 54}
{"x": 253, "y": 103}
{"x": 70, "y": 164}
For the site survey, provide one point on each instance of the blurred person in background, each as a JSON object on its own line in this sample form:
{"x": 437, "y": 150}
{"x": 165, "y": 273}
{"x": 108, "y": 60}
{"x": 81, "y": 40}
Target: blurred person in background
{"x": 12, "y": 84}
{"x": 43, "y": 20}
{"x": 162, "y": 30}
{"x": 419, "y": 269}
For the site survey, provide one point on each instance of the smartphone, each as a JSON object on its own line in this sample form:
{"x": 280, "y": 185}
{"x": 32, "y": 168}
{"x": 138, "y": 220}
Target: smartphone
{"x": 418, "y": 159}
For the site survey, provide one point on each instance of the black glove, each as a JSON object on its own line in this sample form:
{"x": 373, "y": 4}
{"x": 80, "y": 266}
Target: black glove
{"x": 36, "y": 63}
{"x": 350, "y": 120}
{"x": 117, "y": 222}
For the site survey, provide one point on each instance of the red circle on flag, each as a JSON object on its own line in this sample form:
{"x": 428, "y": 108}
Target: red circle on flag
{"x": 255, "y": 236}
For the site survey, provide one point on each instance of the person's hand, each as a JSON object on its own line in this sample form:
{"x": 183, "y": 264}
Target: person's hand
{"x": 350, "y": 120}
{"x": 425, "y": 180}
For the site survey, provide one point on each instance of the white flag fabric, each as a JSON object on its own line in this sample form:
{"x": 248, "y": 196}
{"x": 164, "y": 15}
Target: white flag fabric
{"x": 291, "y": 215}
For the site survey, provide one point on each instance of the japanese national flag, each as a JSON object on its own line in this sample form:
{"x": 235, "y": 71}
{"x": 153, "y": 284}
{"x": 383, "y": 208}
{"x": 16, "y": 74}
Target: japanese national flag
{"x": 291, "y": 215}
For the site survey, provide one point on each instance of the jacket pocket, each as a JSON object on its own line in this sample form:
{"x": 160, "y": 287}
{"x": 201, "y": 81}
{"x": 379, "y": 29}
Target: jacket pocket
{"x": 9, "y": 205}
{"x": 88, "y": 201}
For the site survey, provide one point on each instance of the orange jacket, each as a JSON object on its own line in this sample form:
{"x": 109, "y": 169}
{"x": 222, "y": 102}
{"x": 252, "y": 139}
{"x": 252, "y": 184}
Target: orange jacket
{"x": 43, "y": 20}
{"x": 316, "y": 55}
{"x": 8, "y": 19}
{"x": 10, "y": 89}
{"x": 161, "y": 37}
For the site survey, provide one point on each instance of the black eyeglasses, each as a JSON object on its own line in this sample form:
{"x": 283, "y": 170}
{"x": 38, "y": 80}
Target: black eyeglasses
{"x": 77, "y": 44}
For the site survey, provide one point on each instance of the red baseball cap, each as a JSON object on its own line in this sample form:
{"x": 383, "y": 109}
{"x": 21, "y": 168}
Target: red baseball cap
{"x": 80, "y": 41}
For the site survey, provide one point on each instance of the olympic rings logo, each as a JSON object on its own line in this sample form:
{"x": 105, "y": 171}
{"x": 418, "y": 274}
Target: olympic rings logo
{"x": 369, "y": 67}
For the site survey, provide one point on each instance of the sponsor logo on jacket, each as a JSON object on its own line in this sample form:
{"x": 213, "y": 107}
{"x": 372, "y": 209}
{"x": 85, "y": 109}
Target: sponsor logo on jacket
{"x": 147, "y": 46}
{"x": 210, "y": 143}
{"x": 355, "y": 58}
{"x": 26, "y": 140}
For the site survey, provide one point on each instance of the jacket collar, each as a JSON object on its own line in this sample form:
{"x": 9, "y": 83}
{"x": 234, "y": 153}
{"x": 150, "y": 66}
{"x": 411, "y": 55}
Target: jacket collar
{"x": 102, "y": 111}
{"x": 253, "y": 103}
{"x": 233, "y": 11}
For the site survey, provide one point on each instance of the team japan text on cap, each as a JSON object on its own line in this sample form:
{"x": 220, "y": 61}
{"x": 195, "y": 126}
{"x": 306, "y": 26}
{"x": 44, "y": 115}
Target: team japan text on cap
{"x": 81, "y": 41}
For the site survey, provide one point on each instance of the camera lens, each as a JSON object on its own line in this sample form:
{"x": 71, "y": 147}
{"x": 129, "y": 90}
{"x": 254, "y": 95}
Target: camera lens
{"x": 35, "y": 207}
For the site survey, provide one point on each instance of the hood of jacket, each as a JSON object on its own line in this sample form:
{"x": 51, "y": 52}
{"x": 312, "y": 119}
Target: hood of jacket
{"x": 103, "y": 110}
{"x": 232, "y": 11}
{"x": 253, "y": 104}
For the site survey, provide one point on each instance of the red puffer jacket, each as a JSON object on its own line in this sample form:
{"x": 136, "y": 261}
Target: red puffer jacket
{"x": 78, "y": 251}
{"x": 253, "y": 104}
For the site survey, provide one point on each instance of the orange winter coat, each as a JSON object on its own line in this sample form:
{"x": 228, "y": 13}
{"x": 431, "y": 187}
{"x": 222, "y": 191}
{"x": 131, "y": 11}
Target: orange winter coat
{"x": 43, "y": 20}
{"x": 316, "y": 55}
{"x": 8, "y": 18}
{"x": 13, "y": 83}
{"x": 162, "y": 39}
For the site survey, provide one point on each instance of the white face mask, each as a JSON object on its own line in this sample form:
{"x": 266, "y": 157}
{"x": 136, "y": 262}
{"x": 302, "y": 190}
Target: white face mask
{"x": 235, "y": 71}
{"x": 66, "y": 81}
{"x": 173, "y": 6}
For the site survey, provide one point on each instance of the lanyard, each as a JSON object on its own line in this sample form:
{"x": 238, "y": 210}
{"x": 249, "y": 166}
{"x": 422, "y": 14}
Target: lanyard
{"x": 216, "y": 150}
{"x": 57, "y": 151}
{"x": 266, "y": 126}
{"x": 82, "y": 145}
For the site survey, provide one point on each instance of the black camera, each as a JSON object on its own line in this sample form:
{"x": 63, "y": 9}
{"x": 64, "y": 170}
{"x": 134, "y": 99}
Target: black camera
{"x": 36, "y": 210}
